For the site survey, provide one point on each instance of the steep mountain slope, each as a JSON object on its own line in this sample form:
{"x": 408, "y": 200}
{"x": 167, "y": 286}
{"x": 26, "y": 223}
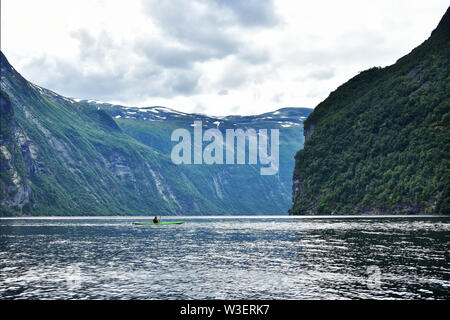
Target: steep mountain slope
{"x": 62, "y": 157}
{"x": 238, "y": 188}
{"x": 59, "y": 157}
{"x": 380, "y": 143}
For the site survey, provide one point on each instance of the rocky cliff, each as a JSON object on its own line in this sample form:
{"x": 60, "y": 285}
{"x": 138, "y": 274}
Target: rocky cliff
{"x": 63, "y": 156}
{"x": 59, "y": 157}
{"x": 16, "y": 159}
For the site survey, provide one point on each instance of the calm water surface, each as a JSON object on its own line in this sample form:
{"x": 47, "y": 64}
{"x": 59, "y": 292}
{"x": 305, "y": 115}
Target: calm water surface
{"x": 225, "y": 258}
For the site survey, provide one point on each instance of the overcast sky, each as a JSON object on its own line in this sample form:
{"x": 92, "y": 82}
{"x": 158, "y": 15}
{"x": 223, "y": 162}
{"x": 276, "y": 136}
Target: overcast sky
{"x": 214, "y": 57}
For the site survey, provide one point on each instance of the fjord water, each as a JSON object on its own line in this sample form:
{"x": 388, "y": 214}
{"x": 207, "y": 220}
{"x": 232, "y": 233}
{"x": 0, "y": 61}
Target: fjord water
{"x": 225, "y": 258}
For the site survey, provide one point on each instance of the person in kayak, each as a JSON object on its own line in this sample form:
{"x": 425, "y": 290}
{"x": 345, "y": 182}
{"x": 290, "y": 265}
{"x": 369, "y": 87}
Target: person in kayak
{"x": 155, "y": 220}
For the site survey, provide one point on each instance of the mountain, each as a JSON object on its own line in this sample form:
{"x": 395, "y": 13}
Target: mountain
{"x": 237, "y": 188}
{"x": 380, "y": 143}
{"x": 64, "y": 157}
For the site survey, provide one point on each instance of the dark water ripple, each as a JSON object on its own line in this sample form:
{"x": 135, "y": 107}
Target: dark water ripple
{"x": 222, "y": 258}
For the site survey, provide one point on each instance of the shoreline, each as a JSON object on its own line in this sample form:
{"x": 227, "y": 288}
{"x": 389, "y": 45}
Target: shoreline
{"x": 284, "y": 217}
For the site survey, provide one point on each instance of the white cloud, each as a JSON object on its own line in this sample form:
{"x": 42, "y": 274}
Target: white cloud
{"x": 215, "y": 57}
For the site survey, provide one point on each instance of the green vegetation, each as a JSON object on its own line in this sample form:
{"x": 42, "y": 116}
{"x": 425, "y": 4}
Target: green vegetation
{"x": 73, "y": 159}
{"x": 380, "y": 142}
{"x": 67, "y": 158}
{"x": 240, "y": 189}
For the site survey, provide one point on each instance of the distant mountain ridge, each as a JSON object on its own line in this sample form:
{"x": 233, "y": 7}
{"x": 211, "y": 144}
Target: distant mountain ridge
{"x": 232, "y": 184}
{"x": 285, "y": 116}
{"x": 64, "y": 157}
{"x": 380, "y": 143}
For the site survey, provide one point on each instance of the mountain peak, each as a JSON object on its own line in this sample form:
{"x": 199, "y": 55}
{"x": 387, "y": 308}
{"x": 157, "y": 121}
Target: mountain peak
{"x": 443, "y": 28}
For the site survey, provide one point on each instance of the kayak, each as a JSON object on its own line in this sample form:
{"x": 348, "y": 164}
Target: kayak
{"x": 159, "y": 223}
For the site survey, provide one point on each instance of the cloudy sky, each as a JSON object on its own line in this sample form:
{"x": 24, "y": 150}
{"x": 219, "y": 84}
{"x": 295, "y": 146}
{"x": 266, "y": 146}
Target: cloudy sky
{"x": 214, "y": 57}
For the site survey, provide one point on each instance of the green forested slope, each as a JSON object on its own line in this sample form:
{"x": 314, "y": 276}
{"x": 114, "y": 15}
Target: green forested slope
{"x": 62, "y": 157}
{"x": 59, "y": 157}
{"x": 238, "y": 188}
{"x": 380, "y": 143}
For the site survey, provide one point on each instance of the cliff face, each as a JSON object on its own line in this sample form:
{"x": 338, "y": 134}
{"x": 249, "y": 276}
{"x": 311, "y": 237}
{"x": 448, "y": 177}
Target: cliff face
{"x": 309, "y": 130}
{"x": 59, "y": 156}
{"x": 15, "y": 160}
{"x": 237, "y": 188}
{"x": 298, "y": 188}
{"x": 380, "y": 142}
